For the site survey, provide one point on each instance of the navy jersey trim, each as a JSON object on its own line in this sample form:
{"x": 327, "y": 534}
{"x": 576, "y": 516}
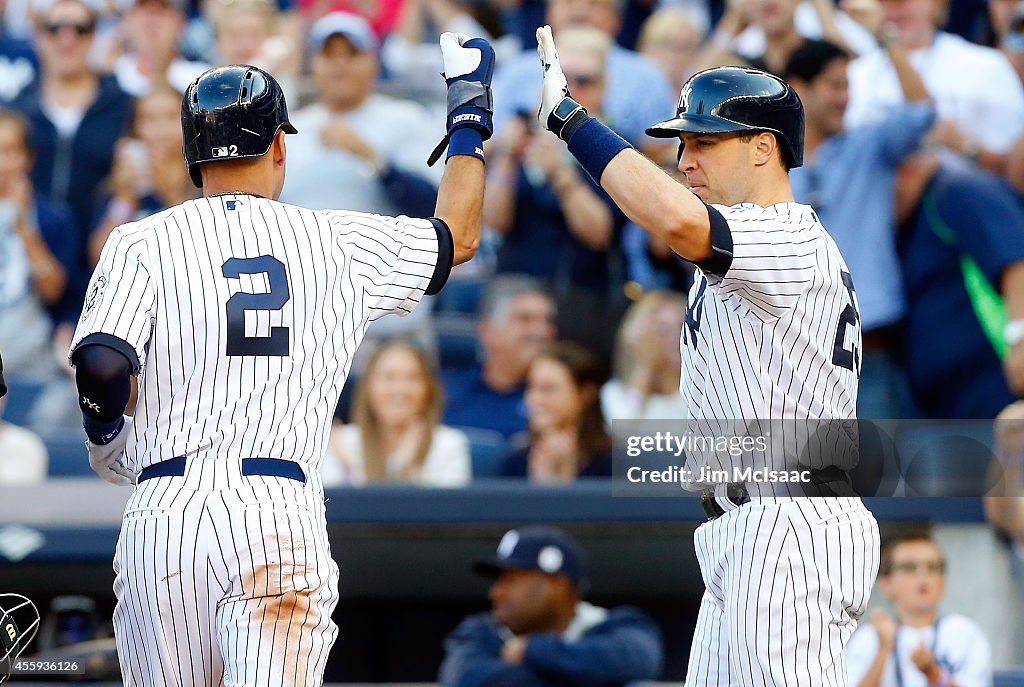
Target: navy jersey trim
{"x": 110, "y": 341}
{"x": 721, "y": 245}
{"x": 445, "y": 256}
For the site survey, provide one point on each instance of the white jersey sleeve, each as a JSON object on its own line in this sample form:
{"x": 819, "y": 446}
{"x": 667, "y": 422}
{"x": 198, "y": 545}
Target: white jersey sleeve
{"x": 393, "y": 259}
{"x": 769, "y": 261}
{"x": 120, "y": 302}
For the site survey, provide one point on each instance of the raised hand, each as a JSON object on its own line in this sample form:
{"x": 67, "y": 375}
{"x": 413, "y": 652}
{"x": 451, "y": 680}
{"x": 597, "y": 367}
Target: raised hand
{"x": 558, "y": 113}
{"x": 468, "y": 69}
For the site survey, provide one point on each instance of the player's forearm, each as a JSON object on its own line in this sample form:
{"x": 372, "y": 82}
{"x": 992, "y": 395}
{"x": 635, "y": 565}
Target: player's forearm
{"x": 659, "y": 204}
{"x": 460, "y": 203}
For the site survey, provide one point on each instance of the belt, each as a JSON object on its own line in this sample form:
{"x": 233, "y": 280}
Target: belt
{"x": 268, "y": 467}
{"x": 735, "y": 492}
{"x": 830, "y": 481}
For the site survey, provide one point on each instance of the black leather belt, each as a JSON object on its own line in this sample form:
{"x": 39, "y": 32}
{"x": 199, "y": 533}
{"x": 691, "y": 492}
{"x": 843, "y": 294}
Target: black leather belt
{"x": 830, "y": 481}
{"x": 735, "y": 492}
{"x": 268, "y": 467}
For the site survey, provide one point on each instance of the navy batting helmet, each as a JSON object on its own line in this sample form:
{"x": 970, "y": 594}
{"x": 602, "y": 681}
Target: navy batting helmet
{"x": 231, "y": 112}
{"x": 729, "y": 99}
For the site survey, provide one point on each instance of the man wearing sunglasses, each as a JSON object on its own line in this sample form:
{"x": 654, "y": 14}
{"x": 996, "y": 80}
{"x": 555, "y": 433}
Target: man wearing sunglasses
{"x": 76, "y": 116}
{"x": 919, "y": 646}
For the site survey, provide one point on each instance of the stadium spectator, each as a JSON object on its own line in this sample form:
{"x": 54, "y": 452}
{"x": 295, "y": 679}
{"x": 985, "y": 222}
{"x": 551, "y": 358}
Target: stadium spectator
{"x": 39, "y": 249}
{"x": 253, "y": 32}
{"x": 516, "y": 321}
{"x": 645, "y": 385}
{"x": 979, "y": 98}
{"x": 410, "y": 56}
{"x": 567, "y": 433}
{"x": 349, "y": 155}
{"x": 848, "y": 177}
{"x": 148, "y": 175}
{"x": 395, "y": 435}
{"x": 960, "y": 243}
{"x": 671, "y": 38}
{"x": 920, "y": 646}
{"x": 540, "y": 632}
{"x": 77, "y": 116}
{"x": 764, "y": 33}
{"x": 148, "y": 50}
{"x": 557, "y": 223}
{"x": 23, "y": 455}
{"x": 636, "y": 92}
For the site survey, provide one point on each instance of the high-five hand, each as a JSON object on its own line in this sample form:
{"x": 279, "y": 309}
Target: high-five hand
{"x": 468, "y": 68}
{"x": 558, "y": 112}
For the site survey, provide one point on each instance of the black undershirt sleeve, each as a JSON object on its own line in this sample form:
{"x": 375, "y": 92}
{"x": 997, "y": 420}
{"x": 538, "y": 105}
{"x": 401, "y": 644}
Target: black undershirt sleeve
{"x": 445, "y": 256}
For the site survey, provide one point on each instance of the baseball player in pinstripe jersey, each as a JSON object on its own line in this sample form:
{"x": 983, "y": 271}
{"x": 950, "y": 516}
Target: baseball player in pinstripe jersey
{"x": 772, "y": 332}
{"x": 239, "y": 317}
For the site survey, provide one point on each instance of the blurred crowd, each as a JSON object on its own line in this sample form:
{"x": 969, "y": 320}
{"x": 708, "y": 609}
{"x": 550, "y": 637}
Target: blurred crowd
{"x": 570, "y": 316}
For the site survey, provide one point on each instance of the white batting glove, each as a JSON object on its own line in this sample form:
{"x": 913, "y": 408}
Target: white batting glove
{"x": 558, "y": 112}
{"x": 107, "y": 460}
{"x": 458, "y": 61}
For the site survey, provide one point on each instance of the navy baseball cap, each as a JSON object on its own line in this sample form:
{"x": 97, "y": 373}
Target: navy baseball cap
{"x": 547, "y": 549}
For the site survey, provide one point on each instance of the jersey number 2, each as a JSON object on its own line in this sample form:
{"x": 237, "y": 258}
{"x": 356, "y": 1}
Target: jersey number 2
{"x": 841, "y": 355}
{"x": 274, "y": 299}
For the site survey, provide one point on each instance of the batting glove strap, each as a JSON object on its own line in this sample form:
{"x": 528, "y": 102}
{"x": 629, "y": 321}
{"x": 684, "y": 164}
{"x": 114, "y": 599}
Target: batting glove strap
{"x": 567, "y": 116}
{"x": 469, "y": 93}
{"x": 470, "y": 105}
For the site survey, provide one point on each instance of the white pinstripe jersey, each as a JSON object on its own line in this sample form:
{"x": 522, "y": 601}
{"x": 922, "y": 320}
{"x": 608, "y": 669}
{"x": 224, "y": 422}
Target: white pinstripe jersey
{"x": 244, "y": 314}
{"x": 778, "y": 336}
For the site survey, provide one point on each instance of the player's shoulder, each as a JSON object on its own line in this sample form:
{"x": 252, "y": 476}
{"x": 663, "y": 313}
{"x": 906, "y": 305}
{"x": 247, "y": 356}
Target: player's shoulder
{"x": 143, "y": 229}
{"x": 781, "y": 216}
{"x": 354, "y": 224}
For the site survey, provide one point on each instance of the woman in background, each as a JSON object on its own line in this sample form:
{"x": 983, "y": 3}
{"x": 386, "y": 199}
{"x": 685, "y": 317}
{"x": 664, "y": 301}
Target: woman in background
{"x": 568, "y": 437}
{"x": 645, "y": 385}
{"x": 395, "y": 435}
{"x": 148, "y": 174}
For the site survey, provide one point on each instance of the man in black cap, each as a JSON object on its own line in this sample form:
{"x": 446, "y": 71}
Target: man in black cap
{"x": 540, "y": 632}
